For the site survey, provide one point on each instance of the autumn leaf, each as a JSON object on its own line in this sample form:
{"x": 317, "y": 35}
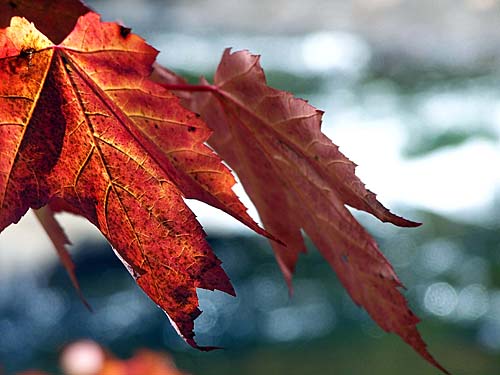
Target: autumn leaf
{"x": 143, "y": 362}
{"x": 298, "y": 179}
{"x": 82, "y": 128}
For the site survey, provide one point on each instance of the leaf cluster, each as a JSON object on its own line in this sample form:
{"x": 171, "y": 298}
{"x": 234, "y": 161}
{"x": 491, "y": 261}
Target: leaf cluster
{"x": 90, "y": 124}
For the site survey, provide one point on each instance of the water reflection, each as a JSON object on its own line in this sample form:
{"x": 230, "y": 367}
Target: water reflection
{"x": 489, "y": 335}
{"x": 473, "y": 270}
{"x": 335, "y": 51}
{"x": 299, "y": 322}
{"x": 439, "y": 256}
{"x": 473, "y": 302}
{"x": 447, "y": 279}
{"x": 268, "y": 293}
{"x": 400, "y": 250}
{"x": 440, "y": 299}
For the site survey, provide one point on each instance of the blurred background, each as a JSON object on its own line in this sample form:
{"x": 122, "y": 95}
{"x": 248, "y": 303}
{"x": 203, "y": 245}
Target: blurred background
{"x": 411, "y": 94}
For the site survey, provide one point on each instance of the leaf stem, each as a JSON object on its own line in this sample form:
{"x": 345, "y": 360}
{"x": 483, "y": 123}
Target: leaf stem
{"x": 188, "y": 87}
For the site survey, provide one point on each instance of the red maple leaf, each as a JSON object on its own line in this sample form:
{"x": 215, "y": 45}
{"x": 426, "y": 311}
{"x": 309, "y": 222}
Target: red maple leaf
{"x": 81, "y": 127}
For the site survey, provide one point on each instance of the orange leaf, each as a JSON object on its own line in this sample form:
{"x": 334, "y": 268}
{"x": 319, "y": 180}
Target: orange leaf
{"x": 298, "y": 179}
{"x": 143, "y": 362}
{"x": 81, "y": 125}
